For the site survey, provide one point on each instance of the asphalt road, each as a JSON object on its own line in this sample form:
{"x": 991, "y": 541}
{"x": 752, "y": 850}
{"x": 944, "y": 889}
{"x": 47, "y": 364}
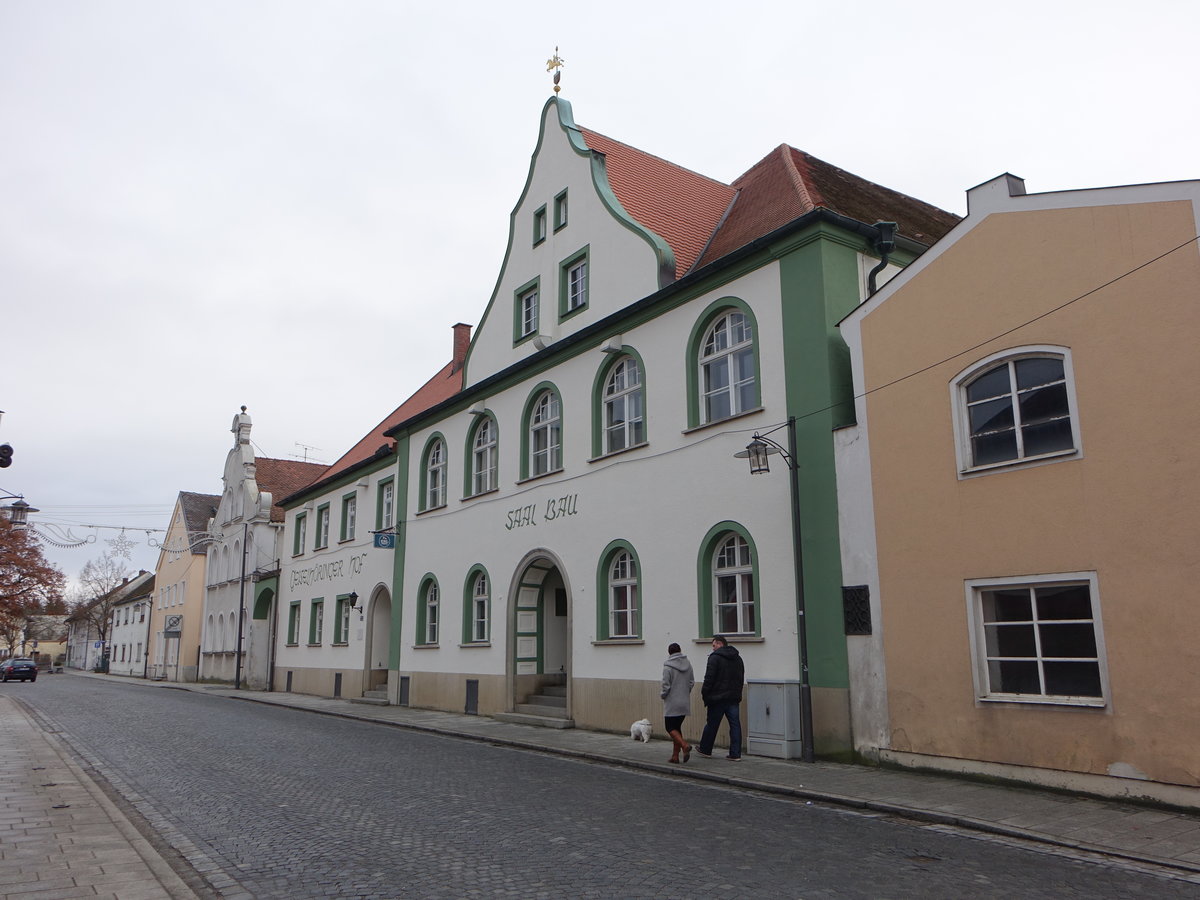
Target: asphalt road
{"x": 289, "y": 804}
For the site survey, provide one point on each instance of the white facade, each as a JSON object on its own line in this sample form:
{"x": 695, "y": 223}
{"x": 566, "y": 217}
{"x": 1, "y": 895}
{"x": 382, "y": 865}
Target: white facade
{"x": 128, "y": 637}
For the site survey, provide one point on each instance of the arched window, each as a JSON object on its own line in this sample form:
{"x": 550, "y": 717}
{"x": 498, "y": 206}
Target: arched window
{"x": 544, "y": 434}
{"x": 624, "y": 406}
{"x": 733, "y": 587}
{"x": 219, "y": 643}
{"x": 428, "y": 609}
{"x": 728, "y": 386}
{"x": 619, "y": 612}
{"x": 210, "y": 634}
{"x": 433, "y": 474}
{"x": 1015, "y": 407}
{"x": 477, "y": 607}
{"x": 484, "y": 457}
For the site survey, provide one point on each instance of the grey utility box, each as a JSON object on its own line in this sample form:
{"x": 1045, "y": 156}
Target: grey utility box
{"x": 773, "y": 719}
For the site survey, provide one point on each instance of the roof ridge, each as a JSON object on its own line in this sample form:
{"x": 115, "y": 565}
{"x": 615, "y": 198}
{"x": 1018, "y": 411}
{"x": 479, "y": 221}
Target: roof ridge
{"x": 795, "y": 176}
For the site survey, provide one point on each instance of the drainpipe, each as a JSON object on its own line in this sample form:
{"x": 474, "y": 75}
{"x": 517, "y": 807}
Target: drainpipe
{"x": 885, "y": 243}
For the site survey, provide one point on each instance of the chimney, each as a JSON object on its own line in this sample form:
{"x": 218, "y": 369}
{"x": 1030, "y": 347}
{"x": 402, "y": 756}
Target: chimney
{"x": 462, "y": 341}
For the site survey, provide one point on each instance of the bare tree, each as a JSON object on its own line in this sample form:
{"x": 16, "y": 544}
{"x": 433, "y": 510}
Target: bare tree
{"x": 99, "y": 580}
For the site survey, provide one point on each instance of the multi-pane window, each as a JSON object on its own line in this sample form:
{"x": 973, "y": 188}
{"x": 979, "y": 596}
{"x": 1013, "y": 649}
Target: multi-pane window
{"x": 316, "y": 621}
{"x": 435, "y": 475}
{"x": 300, "y": 538}
{"x": 1019, "y": 409}
{"x": 483, "y": 456}
{"x": 733, "y": 587}
{"x": 577, "y": 285}
{"x": 545, "y": 435}
{"x": 293, "y": 632}
{"x": 528, "y": 303}
{"x": 1039, "y": 641}
{"x": 539, "y": 226}
{"x": 560, "y": 211}
{"x": 322, "y": 527}
{"x": 623, "y": 596}
{"x": 480, "y": 602}
{"x": 624, "y": 404}
{"x": 349, "y": 516}
{"x": 341, "y": 626}
{"x": 387, "y": 502}
{"x": 727, "y": 381}
{"x": 432, "y": 598}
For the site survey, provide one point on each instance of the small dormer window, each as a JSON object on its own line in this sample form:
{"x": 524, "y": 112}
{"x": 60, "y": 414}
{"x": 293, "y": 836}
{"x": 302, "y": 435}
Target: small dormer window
{"x": 560, "y": 211}
{"x": 539, "y": 226}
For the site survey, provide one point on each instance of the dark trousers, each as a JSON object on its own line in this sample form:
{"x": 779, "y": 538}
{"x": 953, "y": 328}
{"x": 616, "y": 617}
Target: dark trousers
{"x": 716, "y": 713}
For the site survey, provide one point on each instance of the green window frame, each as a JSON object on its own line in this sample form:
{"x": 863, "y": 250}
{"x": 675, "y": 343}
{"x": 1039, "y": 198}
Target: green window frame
{"x": 349, "y": 524}
{"x": 560, "y": 210}
{"x": 385, "y": 504}
{"x": 293, "y": 632}
{"x": 743, "y": 402}
{"x": 542, "y": 454}
{"x": 429, "y": 605}
{"x": 619, "y": 593}
{"x": 316, "y": 621}
{"x": 573, "y": 283}
{"x": 341, "y": 620}
{"x": 526, "y": 320}
{"x": 299, "y": 534}
{"x": 743, "y": 581}
{"x": 481, "y": 474}
{"x": 630, "y": 407}
{"x": 477, "y": 606}
{"x": 435, "y": 466}
{"x": 321, "y": 538}
{"x": 539, "y": 225}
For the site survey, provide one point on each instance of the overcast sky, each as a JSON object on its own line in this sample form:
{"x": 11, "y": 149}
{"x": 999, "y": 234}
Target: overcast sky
{"x": 287, "y": 205}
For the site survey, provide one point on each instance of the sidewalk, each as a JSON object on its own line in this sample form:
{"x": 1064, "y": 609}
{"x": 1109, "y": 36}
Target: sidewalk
{"x": 1159, "y": 837}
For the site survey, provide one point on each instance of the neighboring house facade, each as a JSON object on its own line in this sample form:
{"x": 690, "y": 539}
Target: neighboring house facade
{"x": 129, "y": 631}
{"x": 1019, "y": 498}
{"x": 577, "y": 505}
{"x": 86, "y": 648}
{"x": 178, "y": 609}
{"x": 335, "y": 586}
{"x": 241, "y": 572}
{"x": 45, "y": 639}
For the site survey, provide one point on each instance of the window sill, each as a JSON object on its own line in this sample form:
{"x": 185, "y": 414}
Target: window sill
{"x": 291, "y": 644}
{"x": 612, "y": 453}
{"x": 558, "y": 471}
{"x": 733, "y": 639}
{"x": 321, "y": 547}
{"x": 1028, "y": 700}
{"x": 317, "y": 644}
{"x": 424, "y": 646}
{"x": 471, "y": 644}
{"x": 480, "y": 494}
{"x": 346, "y": 540}
{"x": 430, "y": 509}
{"x": 620, "y": 642}
{"x": 715, "y": 422}
{"x": 340, "y": 644}
{"x": 1028, "y": 462}
{"x": 571, "y": 313}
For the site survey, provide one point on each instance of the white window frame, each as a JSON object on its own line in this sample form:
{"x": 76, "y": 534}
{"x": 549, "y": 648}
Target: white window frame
{"x": 623, "y": 582}
{"x": 711, "y": 354}
{"x": 481, "y": 600}
{"x": 387, "y": 501}
{"x": 432, "y": 601}
{"x": 962, "y": 420}
{"x": 577, "y": 285}
{"x": 620, "y": 389}
{"x": 530, "y": 312}
{"x": 435, "y": 475}
{"x": 484, "y": 447}
{"x": 349, "y": 517}
{"x": 975, "y": 588}
{"x": 743, "y": 580}
{"x": 546, "y": 416}
{"x": 322, "y": 539}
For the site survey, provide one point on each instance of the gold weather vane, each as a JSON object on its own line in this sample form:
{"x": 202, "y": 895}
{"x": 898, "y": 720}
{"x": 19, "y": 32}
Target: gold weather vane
{"x": 555, "y": 63}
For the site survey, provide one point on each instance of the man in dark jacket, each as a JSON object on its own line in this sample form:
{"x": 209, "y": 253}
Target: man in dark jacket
{"x": 722, "y": 694}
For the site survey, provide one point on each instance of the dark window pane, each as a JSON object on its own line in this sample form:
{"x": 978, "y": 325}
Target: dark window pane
{"x": 727, "y": 589}
{"x": 1039, "y": 370}
{"x": 1014, "y": 677}
{"x": 1064, "y": 601}
{"x": 728, "y": 617}
{"x": 1048, "y": 437}
{"x": 1073, "y": 679}
{"x": 993, "y": 448}
{"x": 1007, "y": 605}
{"x": 743, "y": 363}
{"x": 1068, "y": 640}
{"x": 994, "y": 415}
{"x": 716, "y": 374}
{"x": 716, "y": 407}
{"x": 1043, "y": 404}
{"x": 991, "y": 384}
{"x": 1011, "y": 640}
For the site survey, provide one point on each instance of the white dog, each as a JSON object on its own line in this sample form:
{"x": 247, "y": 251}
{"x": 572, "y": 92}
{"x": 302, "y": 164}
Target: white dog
{"x": 640, "y": 731}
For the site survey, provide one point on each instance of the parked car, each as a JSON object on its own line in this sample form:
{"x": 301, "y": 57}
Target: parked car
{"x": 18, "y": 667}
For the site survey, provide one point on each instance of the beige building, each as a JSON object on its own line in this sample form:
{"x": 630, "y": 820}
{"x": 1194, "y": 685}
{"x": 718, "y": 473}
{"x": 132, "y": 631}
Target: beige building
{"x": 1020, "y": 506}
{"x": 178, "y": 607}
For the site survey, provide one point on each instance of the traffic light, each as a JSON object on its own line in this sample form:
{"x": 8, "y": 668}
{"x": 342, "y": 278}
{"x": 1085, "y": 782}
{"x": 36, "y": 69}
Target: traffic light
{"x": 5, "y": 455}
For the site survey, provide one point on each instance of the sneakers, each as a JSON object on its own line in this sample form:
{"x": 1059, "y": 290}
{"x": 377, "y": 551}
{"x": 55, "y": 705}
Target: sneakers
{"x": 734, "y": 758}
{"x": 702, "y": 753}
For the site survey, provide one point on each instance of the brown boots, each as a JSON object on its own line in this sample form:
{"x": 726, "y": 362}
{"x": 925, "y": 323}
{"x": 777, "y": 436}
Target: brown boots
{"x": 680, "y": 746}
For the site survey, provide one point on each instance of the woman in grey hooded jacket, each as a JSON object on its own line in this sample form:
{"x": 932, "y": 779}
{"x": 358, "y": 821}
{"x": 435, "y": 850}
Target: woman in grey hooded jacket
{"x": 677, "y": 682}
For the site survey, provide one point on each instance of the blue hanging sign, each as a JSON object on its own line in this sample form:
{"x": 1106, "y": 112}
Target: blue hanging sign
{"x": 385, "y": 541}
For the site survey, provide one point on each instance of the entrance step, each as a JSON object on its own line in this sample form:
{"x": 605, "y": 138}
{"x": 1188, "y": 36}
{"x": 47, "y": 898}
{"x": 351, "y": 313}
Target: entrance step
{"x": 370, "y": 701}
{"x": 376, "y": 695}
{"x": 520, "y": 718}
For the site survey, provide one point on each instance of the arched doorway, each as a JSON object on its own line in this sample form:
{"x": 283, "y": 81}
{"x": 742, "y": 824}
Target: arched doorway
{"x": 377, "y": 645}
{"x": 539, "y": 632}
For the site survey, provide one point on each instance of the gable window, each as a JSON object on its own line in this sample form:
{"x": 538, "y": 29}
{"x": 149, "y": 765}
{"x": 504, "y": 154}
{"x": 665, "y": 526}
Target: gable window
{"x": 322, "y": 527}
{"x": 1015, "y": 409}
{"x": 385, "y": 505}
{"x": 526, "y": 311}
{"x": 624, "y": 402}
{"x": 545, "y": 435}
{"x": 539, "y": 226}
{"x": 573, "y": 284}
{"x": 293, "y": 628}
{"x": 728, "y": 386}
{"x": 349, "y": 516}
{"x": 560, "y": 211}
{"x": 1038, "y": 640}
{"x": 427, "y": 612}
{"x": 299, "y": 540}
{"x": 341, "y": 624}
{"x": 433, "y": 474}
{"x": 477, "y": 609}
{"x": 316, "y": 621}
{"x": 484, "y": 446}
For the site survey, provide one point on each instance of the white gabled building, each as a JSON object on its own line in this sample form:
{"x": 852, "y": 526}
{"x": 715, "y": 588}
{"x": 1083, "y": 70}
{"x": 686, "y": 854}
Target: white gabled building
{"x": 129, "y": 631}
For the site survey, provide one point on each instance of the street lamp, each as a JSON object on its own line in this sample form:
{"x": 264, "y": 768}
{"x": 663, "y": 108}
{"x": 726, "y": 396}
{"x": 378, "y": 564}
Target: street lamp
{"x": 758, "y": 452}
{"x": 18, "y": 513}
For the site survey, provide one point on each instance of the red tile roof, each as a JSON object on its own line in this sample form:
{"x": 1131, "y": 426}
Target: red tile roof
{"x": 283, "y": 477}
{"x": 789, "y": 183}
{"x": 678, "y": 205}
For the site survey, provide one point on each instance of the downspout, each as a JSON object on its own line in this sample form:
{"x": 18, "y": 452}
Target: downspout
{"x": 885, "y": 243}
